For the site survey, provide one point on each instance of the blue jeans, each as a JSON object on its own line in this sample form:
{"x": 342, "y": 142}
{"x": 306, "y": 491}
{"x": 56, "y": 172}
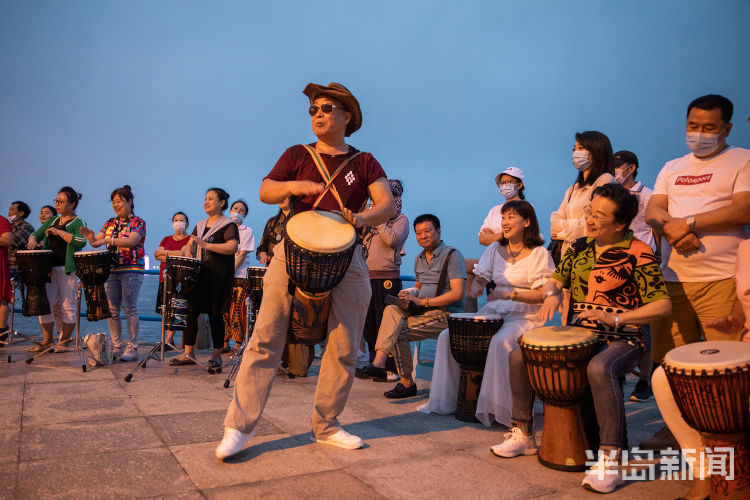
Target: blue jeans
{"x": 613, "y": 360}
{"x": 122, "y": 291}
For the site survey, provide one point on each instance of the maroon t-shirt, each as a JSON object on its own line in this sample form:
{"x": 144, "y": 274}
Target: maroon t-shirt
{"x": 296, "y": 164}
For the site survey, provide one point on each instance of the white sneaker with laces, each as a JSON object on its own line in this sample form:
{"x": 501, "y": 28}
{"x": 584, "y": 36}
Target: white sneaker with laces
{"x": 341, "y": 439}
{"x": 130, "y": 354}
{"x": 232, "y": 442}
{"x": 117, "y": 350}
{"x": 516, "y": 443}
{"x": 605, "y": 476}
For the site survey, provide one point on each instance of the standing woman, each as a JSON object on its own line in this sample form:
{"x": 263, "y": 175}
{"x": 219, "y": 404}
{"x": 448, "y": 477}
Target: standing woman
{"x": 124, "y": 235}
{"x": 46, "y": 212}
{"x": 214, "y": 242}
{"x": 6, "y": 290}
{"x": 510, "y": 185}
{"x": 273, "y": 234}
{"x": 63, "y": 234}
{"x": 236, "y": 318}
{"x": 592, "y": 157}
{"x": 170, "y": 246}
{"x": 383, "y": 246}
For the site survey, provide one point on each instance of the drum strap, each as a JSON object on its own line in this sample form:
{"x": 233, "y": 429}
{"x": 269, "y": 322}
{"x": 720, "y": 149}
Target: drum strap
{"x": 326, "y": 176}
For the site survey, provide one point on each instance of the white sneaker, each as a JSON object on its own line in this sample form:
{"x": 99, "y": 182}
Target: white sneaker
{"x": 392, "y": 377}
{"x": 342, "y": 439}
{"x": 232, "y": 442}
{"x": 516, "y": 443}
{"x": 130, "y": 354}
{"x": 604, "y": 477}
{"x": 117, "y": 350}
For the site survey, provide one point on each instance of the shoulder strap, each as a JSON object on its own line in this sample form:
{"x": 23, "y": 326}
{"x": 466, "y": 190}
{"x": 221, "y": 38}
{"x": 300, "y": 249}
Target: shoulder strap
{"x": 441, "y": 279}
{"x": 326, "y": 177}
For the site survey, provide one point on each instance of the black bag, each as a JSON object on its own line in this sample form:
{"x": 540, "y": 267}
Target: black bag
{"x": 555, "y": 250}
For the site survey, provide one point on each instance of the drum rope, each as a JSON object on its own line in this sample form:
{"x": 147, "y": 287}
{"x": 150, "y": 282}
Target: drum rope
{"x": 328, "y": 178}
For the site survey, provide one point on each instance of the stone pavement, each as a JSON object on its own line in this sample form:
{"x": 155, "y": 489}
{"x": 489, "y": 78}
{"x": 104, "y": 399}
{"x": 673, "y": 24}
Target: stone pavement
{"x": 92, "y": 435}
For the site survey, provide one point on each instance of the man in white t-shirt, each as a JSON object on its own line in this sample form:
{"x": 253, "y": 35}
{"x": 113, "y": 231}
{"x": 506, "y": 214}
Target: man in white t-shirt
{"x": 701, "y": 204}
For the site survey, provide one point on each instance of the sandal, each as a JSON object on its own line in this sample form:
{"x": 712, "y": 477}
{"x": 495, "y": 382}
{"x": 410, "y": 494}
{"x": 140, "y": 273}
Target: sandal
{"x": 214, "y": 366}
{"x": 40, "y": 347}
{"x": 181, "y": 361}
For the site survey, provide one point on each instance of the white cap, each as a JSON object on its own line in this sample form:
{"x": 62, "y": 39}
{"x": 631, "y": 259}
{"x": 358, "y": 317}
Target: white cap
{"x": 512, "y": 171}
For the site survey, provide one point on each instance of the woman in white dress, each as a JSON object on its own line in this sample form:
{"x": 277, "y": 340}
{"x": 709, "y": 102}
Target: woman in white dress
{"x": 519, "y": 265}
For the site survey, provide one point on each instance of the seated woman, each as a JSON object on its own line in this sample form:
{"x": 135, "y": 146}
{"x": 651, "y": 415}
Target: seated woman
{"x": 610, "y": 268}
{"x": 519, "y": 265}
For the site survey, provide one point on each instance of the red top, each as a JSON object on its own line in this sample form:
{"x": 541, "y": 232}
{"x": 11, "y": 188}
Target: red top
{"x": 296, "y": 164}
{"x": 169, "y": 243}
{"x": 6, "y": 290}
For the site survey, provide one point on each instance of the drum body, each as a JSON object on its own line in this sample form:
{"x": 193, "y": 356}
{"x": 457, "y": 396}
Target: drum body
{"x": 470, "y": 336}
{"x": 319, "y": 247}
{"x": 556, "y": 358}
{"x": 255, "y": 276}
{"x": 235, "y": 318}
{"x": 35, "y": 267}
{"x": 92, "y": 268}
{"x": 710, "y": 382}
{"x": 182, "y": 279}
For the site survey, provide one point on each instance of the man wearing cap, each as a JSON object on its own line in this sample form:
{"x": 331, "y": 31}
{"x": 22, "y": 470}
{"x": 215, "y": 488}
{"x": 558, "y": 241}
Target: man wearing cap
{"x": 510, "y": 184}
{"x": 335, "y": 115}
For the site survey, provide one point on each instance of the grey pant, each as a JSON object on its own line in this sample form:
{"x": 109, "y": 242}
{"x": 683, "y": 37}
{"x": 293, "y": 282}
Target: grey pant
{"x": 122, "y": 293}
{"x": 349, "y": 301}
{"x": 398, "y": 328}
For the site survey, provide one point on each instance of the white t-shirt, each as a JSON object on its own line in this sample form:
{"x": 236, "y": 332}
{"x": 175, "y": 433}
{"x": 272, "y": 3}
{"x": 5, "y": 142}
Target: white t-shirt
{"x": 247, "y": 244}
{"x": 641, "y": 230}
{"x": 694, "y": 186}
{"x": 494, "y": 220}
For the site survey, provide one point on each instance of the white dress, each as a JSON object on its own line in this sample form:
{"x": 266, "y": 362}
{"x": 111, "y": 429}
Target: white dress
{"x": 495, "y": 401}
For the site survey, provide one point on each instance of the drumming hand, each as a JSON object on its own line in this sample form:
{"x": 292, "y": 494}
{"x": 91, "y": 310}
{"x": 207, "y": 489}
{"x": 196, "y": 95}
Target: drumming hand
{"x": 305, "y": 188}
{"x": 352, "y": 218}
{"x": 198, "y": 241}
{"x": 549, "y": 306}
{"x": 262, "y": 258}
{"x": 727, "y": 324}
{"x": 599, "y": 316}
{"x": 476, "y": 289}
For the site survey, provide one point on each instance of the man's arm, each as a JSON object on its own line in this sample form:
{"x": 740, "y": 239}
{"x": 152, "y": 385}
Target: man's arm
{"x": 455, "y": 294}
{"x": 734, "y": 215}
{"x": 384, "y": 207}
{"x": 657, "y": 213}
{"x": 274, "y": 192}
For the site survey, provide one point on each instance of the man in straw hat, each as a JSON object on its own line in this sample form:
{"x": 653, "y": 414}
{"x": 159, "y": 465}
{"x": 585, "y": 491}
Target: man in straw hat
{"x": 335, "y": 115}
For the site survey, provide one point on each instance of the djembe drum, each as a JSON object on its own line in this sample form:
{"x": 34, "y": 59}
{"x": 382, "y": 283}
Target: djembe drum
{"x": 255, "y": 276}
{"x": 319, "y": 247}
{"x": 556, "y": 358}
{"x": 35, "y": 267}
{"x": 182, "y": 278}
{"x": 710, "y": 382}
{"x": 470, "y": 336}
{"x": 92, "y": 268}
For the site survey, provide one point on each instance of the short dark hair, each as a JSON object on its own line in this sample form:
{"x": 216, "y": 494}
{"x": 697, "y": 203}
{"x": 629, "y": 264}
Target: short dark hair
{"x": 51, "y": 209}
{"x": 187, "y": 221}
{"x": 625, "y": 158}
{"x": 625, "y": 201}
{"x": 714, "y": 101}
{"x": 427, "y": 218}
{"x": 247, "y": 210}
{"x": 126, "y": 194}
{"x": 531, "y": 236}
{"x": 72, "y": 196}
{"x": 223, "y": 196}
{"x": 600, "y": 149}
{"x": 22, "y": 207}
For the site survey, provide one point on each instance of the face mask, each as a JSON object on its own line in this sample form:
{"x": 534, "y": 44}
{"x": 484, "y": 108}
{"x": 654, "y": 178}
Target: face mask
{"x": 13, "y": 218}
{"x": 236, "y": 217}
{"x": 508, "y": 190}
{"x": 619, "y": 177}
{"x": 581, "y": 160}
{"x": 701, "y": 144}
{"x": 178, "y": 226}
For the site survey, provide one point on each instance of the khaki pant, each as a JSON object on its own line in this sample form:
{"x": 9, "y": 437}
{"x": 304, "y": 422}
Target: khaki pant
{"x": 398, "y": 328}
{"x": 349, "y": 301}
{"x": 693, "y": 305}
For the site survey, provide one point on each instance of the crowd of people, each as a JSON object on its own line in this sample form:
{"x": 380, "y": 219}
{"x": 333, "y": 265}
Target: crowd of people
{"x": 663, "y": 265}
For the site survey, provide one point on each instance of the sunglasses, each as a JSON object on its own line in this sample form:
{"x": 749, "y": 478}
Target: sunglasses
{"x": 326, "y": 108}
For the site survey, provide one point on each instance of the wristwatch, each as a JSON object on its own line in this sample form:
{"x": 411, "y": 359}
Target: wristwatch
{"x": 690, "y": 219}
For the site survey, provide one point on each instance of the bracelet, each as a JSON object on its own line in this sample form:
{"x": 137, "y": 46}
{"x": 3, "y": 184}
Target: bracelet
{"x": 427, "y": 302}
{"x": 551, "y": 293}
{"x": 617, "y": 322}
{"x": 514, "y": 294}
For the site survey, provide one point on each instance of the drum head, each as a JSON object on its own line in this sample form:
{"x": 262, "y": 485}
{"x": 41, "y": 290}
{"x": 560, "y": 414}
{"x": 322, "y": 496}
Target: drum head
{"x": 709, "y": 355}
{"x": 96, "y": 251}
{"x": 475, "y": 316}
{"x": 319, "y": 231}
{"x": 182, "y": 260}
{"x": 558, "y": 336}
{"x": 33, "y": 252}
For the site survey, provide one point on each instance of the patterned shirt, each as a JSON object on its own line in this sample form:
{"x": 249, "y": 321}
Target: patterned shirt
{"x": 626, "y": 275}
{"x": 18, "y": 239}
{"x": 127, "y": 260}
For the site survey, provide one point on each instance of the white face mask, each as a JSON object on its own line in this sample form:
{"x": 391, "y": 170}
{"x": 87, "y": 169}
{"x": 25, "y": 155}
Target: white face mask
{"x": 13, "y": 218}
{"x": 701, "y": 144}
{"x": 619, "y": 177}
{"x": 581, "y": 160}
{"x": 178, "y": 226}
{"x": 508, "y": 190}
{"x": 236, "y": 217}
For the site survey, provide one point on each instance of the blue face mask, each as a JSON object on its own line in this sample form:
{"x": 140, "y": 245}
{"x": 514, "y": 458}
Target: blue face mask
{"x": 508, "y": 189}
{"x": 581, "y": 160}
{"x": 701, "y": 144}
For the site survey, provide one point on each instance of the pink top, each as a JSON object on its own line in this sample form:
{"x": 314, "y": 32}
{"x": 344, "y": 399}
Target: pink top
{"x": 743, "y": 278}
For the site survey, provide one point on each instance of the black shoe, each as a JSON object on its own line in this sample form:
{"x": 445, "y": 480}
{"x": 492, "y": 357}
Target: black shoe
{"x": 214, "y": 367}
{"x": 661, "y": 440}
{"x": 401, "y": 392}
{"x": 642, "y": 391}
{"x": 373, "y": 372}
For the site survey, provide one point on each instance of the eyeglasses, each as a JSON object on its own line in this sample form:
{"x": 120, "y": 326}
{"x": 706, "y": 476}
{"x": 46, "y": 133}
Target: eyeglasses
{"x": 597, "y": 218}
{"x": 60, "y": 202}
{"x": 326, "y": 108}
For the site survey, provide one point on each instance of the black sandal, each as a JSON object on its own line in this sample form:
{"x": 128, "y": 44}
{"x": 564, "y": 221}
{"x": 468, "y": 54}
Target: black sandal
{"x": 214, "y": 366}
{"x": 181, "y": 361}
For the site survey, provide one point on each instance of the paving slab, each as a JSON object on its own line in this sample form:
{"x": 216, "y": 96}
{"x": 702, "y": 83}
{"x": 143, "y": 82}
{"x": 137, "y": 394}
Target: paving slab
{"x": 199, "y": 427}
